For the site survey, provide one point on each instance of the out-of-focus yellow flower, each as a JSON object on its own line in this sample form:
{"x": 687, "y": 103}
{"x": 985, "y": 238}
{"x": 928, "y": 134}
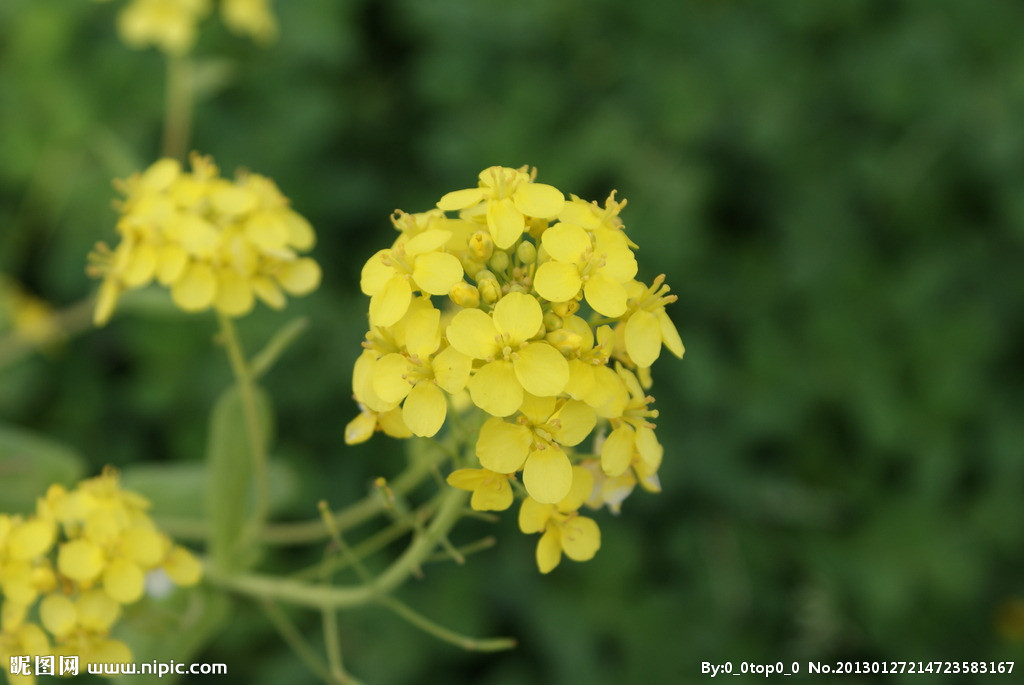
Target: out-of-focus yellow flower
{"x": 169, "y": 25}
{"x": 548, "y": 330}
{"x": 250, "y": 17}
{"x": 172, "y": 25}
{"x": 82, "y": 555}
{"x": 212, "y": 242}
{"x": 26, "y": 316}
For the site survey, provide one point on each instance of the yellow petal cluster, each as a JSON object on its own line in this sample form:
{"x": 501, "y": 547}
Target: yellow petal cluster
{"x": 213, "y": 242}
{"x": 67, "y": 570}
{"x": 172, "y": 25}
{"x": 548, "y": 329}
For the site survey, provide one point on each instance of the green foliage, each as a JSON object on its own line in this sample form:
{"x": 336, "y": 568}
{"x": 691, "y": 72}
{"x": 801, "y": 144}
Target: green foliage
{"x": 832, "y": 188}
{"x": 29, "y": 464}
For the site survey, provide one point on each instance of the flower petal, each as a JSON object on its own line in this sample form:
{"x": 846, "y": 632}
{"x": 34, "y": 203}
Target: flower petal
{"x": 460, "y": 199}
{"x": 467, "y": 479}
{"x": 472, "y": 333}
{"x": 582, "y": 488}
{"x": 608, "y": 395}
{"x": 389, "y": 377}
{"x": 538, "y": 200}
{"x": 606, "y": 296}
{"x": 618, "y": 449}
{"x": 123, "y": 581}
{"x": 502, "y": 446}
{"x": 300, "y": 276}
{"x": 534, "y": 516}
{"x": 506, "y": 223}
{"x": 557, "y": 281}
{"x": 390, "y": 304}
{"x": 581, "y": 538}
{"x": 428, "y": 241}
{"x": 547, "y": 475}
{"x": 649, "y": 448}
{"x": 451, "y": 369}
{"x": 541, "y": 369}
{"x": 494, "y": 494}
{"x": 577, "y": 421}
{"x": 437, "y": 272}
{"x": 518, "y": 316}
{"x": 234, "y": 294}
{"x": 425, "y": 409}
{"x": 581, "y": 379}
{"x": 566, "y": 242}
{"x": 196, "y": 289}
{"x": 643, "y": 338}
{"x": 670, "y": 335}
{"x": 549, "y": 550}
{"x": 376, "y": 273}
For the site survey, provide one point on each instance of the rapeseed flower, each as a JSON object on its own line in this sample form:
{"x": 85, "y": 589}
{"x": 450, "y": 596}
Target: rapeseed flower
{"x": 172, "y": 26}
{"x": 214, "y": 243}
{"x": 524, "y": 309}
{"x": 76, "y": 561}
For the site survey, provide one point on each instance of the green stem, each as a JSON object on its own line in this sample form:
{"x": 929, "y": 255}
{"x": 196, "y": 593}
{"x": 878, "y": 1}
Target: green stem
{"x": 255, "y": 433}
{"x": 343, "y": 597}
{"x": 470, "y": 644}
{"x": 302, "y": 532}
{"x": 178, "y": 113}
{"x": 294, "y": 639}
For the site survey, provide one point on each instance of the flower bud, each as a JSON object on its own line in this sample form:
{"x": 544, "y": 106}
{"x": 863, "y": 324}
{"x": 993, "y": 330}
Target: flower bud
{"x": 481, "y": 246}
{"x": 565, "y": 341}
{"x": 490, "y": 291}
{"x": 527, "y": 252}
{"x": 552, "y": 321}
{"x": 465, "y": 295}
{"x": 499, "y": 261}
{"x": 564, "y": 309}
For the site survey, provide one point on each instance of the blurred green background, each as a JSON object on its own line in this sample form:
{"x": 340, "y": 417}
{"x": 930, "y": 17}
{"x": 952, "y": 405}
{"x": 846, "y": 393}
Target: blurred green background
{"x": 834, "y": 190}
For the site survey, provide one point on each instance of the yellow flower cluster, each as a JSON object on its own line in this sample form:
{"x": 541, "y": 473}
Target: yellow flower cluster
{"x": 171, "y": 25}
{"x": 549, "y": 332}
{"x": 213, "y": 242}
{"x": 83, "y": 555}
{"x": 26, "y": 316}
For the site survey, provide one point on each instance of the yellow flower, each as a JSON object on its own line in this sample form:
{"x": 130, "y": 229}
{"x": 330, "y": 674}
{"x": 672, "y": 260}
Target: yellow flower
{"x": 633, "y": 436}
{"x": 107, "y": 545}
{"x": 390, "y": 276}
{"x": 513, "y": 360}
{"x": 167, "y": 24}
{"x": 252, "y": 17}
{"x": 601, "y": 264}
{"x": 564, "y": 530}
{"x": 511, "y": 197}
{"x": 534, "y": 444}
{"x": 362, "y": 427}
{"x": 491, "y": 491}
{"x": 648, "y": 326}
{"x": 212, "y": 242}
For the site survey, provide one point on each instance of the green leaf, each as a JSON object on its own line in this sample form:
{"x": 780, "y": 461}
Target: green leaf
{"x": 178, "y": 492}
{"x": 29, "y": 464}
{"x": 229, "y": 492}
